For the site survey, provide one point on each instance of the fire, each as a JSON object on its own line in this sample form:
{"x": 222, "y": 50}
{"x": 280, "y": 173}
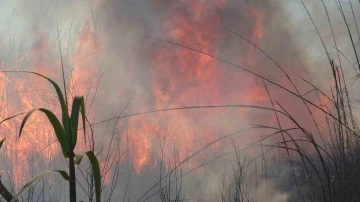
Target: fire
{"x": 85, "y": 66}
{"x": 22, "y": 94}
{"x": 38, "y": 136}
{"x": 256, "y": 93}
{"x": 84, "y": 61}
{"x": 257, "y": 34}
{"x": 181, "y": 77}
{"x": 177, "y": 77}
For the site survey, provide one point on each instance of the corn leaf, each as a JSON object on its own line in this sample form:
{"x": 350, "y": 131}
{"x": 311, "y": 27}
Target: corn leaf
{"x": 78, "y": 159}
{"x": 59, "y": 130}
{"x": 38, "y": 178}
{"x": 95, "y": 171}
{"x": 8, "y": 118}
{"x": 2, "y": 142}
{"x": 64, "y": 108}
{"x": 77, "y": 106}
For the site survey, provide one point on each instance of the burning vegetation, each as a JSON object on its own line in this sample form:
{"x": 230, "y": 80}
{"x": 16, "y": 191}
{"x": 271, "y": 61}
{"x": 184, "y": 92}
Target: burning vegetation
{"x": 190, "y": 100}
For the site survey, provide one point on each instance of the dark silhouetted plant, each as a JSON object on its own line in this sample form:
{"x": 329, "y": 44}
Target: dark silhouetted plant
{"x": 66, "y": 134}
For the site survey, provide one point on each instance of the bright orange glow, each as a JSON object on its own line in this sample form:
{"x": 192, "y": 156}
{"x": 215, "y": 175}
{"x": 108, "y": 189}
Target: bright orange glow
{"x": 178, "y": 77}
{"x": 85, "y": 66}
{"x": 21, "y": 97}
{"x": 182, "y": 77}
{"x": 22, "y": 94}
{"x": 85, "y": 61}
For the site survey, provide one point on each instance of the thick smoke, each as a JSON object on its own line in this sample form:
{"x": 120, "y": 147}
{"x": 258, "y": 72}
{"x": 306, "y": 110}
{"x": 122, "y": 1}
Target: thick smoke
{"x": 118, "y": 54}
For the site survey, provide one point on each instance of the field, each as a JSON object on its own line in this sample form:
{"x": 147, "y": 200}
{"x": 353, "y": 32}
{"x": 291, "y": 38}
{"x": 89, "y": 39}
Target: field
{"x": 203, "y": 100}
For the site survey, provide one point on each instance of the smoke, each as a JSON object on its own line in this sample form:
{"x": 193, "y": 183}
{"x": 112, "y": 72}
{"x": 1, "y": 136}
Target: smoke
{"x": 118, "y": 54}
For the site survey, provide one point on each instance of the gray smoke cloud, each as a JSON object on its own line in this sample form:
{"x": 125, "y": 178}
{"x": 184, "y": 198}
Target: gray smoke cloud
{"x": 127, "y": 32}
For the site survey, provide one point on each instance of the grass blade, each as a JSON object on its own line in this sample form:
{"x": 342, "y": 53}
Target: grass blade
{"x": 38, "y": 178}
{"x": 11, "y": 117}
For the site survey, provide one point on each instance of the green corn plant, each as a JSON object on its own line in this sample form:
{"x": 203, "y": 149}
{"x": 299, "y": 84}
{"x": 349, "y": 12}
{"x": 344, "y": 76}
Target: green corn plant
{"x": 66, "y": 134}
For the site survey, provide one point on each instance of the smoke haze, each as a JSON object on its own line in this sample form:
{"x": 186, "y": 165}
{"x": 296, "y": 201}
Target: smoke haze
{"x": 129, "y": 56}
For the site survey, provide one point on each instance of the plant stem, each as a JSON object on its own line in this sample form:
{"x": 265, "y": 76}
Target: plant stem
{"x": 72, "y": 179}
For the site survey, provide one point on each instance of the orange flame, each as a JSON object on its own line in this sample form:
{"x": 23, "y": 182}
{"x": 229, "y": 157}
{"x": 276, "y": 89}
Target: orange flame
{"x": 182, "y": 77}
{"x": 179, "y": 77}
{"x": 22, "y": 94}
